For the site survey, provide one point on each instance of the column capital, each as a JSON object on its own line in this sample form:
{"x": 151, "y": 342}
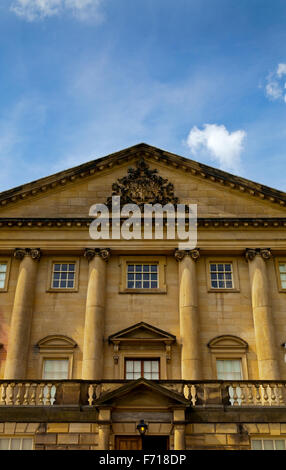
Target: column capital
{"x": 20, "y": 253}
{"x": 104, "y": 253}
{"x": 251, "y": 253}
{"x": 180, "y": 254}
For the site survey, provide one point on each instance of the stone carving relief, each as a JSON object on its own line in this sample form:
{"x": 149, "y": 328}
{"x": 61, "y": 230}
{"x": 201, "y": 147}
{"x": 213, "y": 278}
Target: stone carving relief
{"x": 143, "y": 186}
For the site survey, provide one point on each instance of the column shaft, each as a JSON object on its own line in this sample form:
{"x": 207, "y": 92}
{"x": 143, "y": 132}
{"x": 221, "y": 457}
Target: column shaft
{"x": 189, "y": 320}
{"x": 263, "y": 320}
{"x": 92, "y": 366}
{"x": 179, "y": 437}
{"x": 103, "y": 436}
{"x": 20, "y": 327}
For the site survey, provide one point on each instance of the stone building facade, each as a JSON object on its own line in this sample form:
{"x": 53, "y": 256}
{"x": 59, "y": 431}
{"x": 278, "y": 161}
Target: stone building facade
{"x": 97, "y": 336}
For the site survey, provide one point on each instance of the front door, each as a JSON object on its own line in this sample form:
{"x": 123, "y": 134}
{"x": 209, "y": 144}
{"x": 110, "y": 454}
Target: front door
{"x": 146, "y": 443}
{"x": 128, "y": 443}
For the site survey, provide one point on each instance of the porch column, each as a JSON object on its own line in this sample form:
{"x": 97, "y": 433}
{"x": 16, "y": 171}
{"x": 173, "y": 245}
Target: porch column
{"x": 262, "y": 315}
{"x": 21, "y": 320}
{"x": 179, "y": 429}
{"x": 92, "y": 364}
{"x": 189, "y": 316}
{"x": 104, "y": 422}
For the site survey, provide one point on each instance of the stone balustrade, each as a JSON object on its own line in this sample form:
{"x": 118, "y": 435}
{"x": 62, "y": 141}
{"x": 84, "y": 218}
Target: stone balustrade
{"x": 210, "y": 393}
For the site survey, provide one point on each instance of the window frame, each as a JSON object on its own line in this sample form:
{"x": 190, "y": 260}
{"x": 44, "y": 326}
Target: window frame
{"x": 19, "y": 437}
{"x": 142, "y": 360}
{"x": 262, "y": 439}
{"x": 235, "y": 277}
{"x": 279, "y": 260}
{"x": 228, "y": 347}
{"x": 62, "y": 260}
{"x": 56, "y": 347}
{"x": 7, "y": 261}
{"x": 230, "y": 359}
{"x": 124, "y": 261}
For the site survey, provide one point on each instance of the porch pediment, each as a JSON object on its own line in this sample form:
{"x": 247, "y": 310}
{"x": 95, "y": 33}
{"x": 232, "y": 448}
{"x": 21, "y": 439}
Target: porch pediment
{"x": 142, "y": 393}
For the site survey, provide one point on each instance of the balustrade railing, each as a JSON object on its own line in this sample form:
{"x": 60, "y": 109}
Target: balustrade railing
{"x": 27, "y": 393}
{"x": 204, "y": 393}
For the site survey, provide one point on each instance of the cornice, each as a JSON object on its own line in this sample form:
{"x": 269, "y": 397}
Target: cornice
{"x": 84, "y": 222}
{"x": 151, "y": 154}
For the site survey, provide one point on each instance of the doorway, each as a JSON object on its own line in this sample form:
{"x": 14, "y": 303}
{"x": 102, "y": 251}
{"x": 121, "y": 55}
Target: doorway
{"x": 146, "y": 443}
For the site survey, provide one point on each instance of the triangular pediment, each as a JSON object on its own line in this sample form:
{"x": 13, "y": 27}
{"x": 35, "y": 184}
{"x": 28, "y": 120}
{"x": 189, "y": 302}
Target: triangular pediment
{"x": 142, "y": 393}
{"x": 64, "y": 199}
{"x": 142, "y": 332}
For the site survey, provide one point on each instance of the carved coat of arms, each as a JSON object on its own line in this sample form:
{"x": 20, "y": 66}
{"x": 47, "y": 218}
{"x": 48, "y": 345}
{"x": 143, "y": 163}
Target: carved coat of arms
{"x": 143, "y": 186}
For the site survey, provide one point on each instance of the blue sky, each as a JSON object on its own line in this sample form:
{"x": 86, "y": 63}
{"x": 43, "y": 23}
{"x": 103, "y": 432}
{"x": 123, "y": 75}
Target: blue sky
{"x": 80, "y": 79}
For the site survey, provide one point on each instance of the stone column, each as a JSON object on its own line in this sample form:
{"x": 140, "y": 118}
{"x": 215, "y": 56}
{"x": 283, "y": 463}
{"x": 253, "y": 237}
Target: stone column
{"x": 104, "y": 423}
{"x": 103, "y": 436}
{"x": 262, "y": 315}
{"x": 92, "y": 364}
{"x": 179, "y": 437}
{"x": 189, "y": 316}
{"x": 21, "y": 320}
{"x": 179, "y": 428}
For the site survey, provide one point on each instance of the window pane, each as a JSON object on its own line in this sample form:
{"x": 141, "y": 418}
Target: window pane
{"x": 63, "y": 276}
{"x": 27, "y": 444}
{"x": 256, "y": 445}
{"x": 3, "y": 267}
{"x": 55, "y": 369}
{"x": 268, "y": 445}
{"x": 15, "y": 444}
{"x": 4, "y": 444}
{"x": 129, "y": 366}
{"x": 279, "y": 445}
{"x": 229, "y": 369}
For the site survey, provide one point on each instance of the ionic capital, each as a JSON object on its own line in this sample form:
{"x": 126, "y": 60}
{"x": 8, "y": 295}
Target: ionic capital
{"x": 251, "y": 253}
{"x": 20, "y": 253}
{"x": 104, "y": 253}
{"x": 180, "y": 254}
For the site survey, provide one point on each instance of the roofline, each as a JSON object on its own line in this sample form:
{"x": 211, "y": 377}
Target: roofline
{"x": 149, "y": 152}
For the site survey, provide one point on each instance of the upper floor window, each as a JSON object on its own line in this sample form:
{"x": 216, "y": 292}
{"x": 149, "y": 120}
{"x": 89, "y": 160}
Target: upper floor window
{"x": 221, "y": 275}
{"x": 3, "y": 275}
{"x": 147, "y": 368}
{"x": 142, "y": 276}
{"x": 63, "y": 276}
{"x": 268, "y": 444}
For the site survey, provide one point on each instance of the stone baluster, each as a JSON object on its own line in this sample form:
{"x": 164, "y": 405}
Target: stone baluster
{"x": 21, "y": 320}
{"x": 92, "y": 363}
{"x": 262, "y": 316}
{"x": 189, "y": 316}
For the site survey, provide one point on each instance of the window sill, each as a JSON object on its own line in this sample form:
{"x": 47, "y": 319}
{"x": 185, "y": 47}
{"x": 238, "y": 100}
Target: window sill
{"x": 224, "y": 290}
{"x": 62, "y": 290}
{"x": 143, "y": 291}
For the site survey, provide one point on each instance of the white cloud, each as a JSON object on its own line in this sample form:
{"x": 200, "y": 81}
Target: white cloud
{"x": 33, "y": 10}
{"x": 275, "y": 84}
{"x": 281, "y": 70}
{"x": 218, "y": 143}
{"x": 273, "y": 90}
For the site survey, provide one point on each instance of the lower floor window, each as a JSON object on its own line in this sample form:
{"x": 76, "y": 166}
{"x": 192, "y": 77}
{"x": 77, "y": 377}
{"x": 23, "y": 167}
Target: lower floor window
{"x": 147, "y": 368}
{"x": 268, "y": 444}
{"x": 16, "y": 443}
{"x": 229, "y": 369}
